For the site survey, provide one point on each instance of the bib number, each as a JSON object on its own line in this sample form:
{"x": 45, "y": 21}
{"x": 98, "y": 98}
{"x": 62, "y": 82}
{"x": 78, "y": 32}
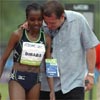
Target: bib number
{"x": 32, "y": 53}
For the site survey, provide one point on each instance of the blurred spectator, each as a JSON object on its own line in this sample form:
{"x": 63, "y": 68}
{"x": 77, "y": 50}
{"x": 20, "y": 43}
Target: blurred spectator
{"x": 97, "y": 69}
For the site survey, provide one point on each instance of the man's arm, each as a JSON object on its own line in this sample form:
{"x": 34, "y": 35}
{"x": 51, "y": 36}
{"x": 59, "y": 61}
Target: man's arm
{"x": 91, "y": 60}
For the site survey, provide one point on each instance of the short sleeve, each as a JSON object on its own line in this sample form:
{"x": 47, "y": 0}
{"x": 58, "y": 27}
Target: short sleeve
{"x": 88, "y": 37}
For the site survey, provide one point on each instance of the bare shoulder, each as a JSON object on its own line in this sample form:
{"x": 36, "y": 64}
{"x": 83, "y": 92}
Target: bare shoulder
{"x": 15, "y": 36}
{"x": 17, "y": 33}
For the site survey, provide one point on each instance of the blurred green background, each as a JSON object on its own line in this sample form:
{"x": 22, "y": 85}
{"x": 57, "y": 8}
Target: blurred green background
{"x": 12, "y": 14}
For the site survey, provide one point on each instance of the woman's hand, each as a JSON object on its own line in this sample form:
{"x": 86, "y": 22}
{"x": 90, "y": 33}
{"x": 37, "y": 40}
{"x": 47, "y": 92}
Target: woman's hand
{"x": 52, "y": 95}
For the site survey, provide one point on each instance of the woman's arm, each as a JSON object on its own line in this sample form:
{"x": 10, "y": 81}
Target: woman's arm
{"x": 10, "y": 46}
{"x": 50, "y": 79}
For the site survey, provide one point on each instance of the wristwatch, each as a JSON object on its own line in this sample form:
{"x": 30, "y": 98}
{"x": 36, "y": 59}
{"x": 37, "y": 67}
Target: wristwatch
{"x": 91, "y": 74}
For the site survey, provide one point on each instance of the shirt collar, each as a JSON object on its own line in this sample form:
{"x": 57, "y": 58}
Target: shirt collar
{"x": 69, "y": 16}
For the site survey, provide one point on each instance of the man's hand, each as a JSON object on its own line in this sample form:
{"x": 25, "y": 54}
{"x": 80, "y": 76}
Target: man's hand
{"x": 24, "y": 25}
{"x": 89, "y": 82}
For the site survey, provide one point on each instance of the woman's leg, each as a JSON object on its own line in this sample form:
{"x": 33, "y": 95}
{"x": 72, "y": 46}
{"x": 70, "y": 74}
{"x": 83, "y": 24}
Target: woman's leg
{"x": 33, "y": 94}
{"x": 16, "y": 91}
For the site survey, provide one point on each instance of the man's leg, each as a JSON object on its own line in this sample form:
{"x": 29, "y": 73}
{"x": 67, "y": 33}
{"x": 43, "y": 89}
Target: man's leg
{"x": 75, "y": 94}
{"x": 44, "y": 95}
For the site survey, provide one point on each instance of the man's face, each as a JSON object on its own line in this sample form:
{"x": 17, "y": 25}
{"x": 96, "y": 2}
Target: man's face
{"x": 53, "y": 22}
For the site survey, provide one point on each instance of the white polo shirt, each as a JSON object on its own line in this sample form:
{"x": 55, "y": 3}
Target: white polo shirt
{"x": 69, "y": 48}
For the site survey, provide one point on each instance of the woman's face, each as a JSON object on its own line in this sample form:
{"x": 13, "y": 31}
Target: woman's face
{"x": 35, "y": 20}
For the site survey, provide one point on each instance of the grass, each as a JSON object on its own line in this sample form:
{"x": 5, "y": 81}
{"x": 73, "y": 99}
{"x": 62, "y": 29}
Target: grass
{"x": 91, "y": 95}
{"x": 4, "y": 92}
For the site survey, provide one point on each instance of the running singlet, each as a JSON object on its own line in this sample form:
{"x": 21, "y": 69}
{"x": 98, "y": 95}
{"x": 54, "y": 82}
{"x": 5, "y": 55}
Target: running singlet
{"x": 29, "y": 52}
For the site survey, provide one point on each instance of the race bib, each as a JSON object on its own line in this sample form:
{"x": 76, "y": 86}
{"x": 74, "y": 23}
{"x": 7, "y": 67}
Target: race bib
{"x": 32, "y": 53}
{"x": 52, "y": 68}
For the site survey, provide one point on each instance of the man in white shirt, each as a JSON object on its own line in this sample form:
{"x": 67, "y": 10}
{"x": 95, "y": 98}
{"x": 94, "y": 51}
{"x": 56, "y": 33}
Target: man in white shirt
{"x": 74, "y": 48}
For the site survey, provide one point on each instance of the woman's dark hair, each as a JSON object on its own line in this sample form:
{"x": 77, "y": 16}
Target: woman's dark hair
{"x": 33, "y": 6}
{"x": 51, "y": 7}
